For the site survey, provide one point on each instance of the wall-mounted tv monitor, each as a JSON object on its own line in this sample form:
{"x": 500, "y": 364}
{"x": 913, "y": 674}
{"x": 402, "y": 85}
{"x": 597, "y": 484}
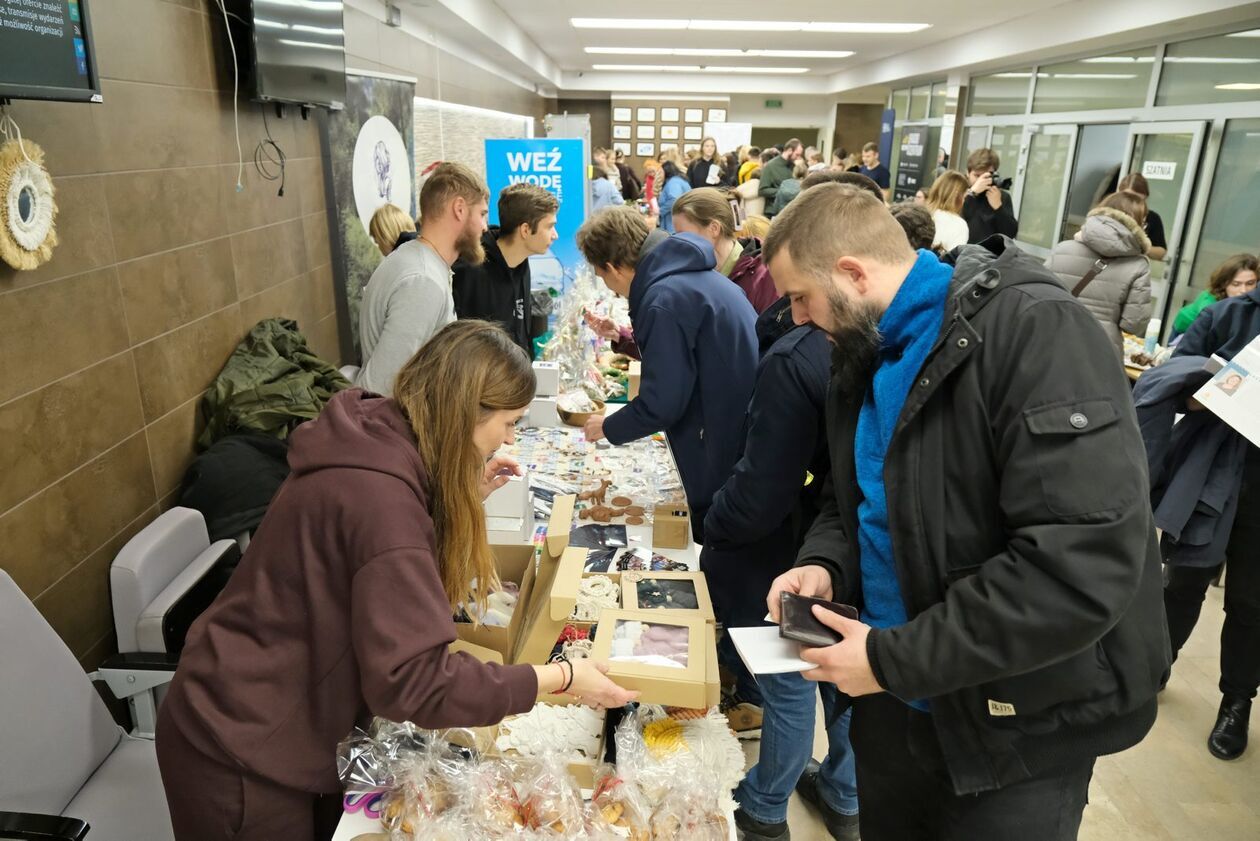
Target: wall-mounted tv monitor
{"x": 46, "y": 51}
{"x": 297, "y": 50}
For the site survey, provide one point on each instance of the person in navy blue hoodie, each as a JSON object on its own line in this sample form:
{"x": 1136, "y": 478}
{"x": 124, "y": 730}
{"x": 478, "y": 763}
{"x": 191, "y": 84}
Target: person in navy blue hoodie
{"x": 697, "y": 334}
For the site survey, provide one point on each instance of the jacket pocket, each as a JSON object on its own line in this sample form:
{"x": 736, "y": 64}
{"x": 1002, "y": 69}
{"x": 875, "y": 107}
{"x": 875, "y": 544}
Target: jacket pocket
{"x": 1068, "y": 692}
{"x": 1078, "y": 447}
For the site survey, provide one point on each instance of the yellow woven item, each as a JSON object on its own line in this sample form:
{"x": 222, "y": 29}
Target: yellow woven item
{"x": 26, "y": 243}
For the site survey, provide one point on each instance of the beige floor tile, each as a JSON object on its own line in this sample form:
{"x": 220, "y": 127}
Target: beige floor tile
{"x": 1168, "y": 788}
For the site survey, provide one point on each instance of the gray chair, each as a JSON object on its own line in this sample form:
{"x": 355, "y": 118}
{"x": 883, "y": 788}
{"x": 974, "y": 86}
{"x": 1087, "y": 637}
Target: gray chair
{"x": 65, "y": 765}
{"x": 160, "y": 582}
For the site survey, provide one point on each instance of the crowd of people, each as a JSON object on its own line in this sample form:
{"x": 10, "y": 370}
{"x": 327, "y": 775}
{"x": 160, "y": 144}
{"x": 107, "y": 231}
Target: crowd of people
{"x": 890, "y": 407}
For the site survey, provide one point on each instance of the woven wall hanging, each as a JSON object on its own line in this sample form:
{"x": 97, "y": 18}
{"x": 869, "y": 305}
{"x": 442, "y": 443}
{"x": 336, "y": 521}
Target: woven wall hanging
{"x": 28, "y": 211}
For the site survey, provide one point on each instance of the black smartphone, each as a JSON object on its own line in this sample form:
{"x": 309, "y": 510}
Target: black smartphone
{"x": 797, "y": 621}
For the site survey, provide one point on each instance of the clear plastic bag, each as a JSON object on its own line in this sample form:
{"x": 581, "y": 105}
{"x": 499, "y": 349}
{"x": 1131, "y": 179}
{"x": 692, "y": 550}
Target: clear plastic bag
{"x": 617, "y": 810}
{"x": 550, "y": 798}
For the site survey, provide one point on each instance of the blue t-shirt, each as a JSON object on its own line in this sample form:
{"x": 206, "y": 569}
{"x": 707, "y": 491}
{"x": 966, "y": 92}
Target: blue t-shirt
{"x": 908, "y": 330}
{"x": 879, "y": 175}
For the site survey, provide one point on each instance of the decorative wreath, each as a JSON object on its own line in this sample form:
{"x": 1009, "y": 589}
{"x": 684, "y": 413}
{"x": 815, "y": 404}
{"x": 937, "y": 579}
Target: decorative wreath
{"x": 27, "y": 208}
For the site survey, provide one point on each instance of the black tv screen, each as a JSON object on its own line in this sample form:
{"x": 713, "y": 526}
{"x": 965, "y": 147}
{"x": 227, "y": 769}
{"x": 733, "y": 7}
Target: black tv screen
{"x": 298, "y": 51}
{"x": 46, "y": 51}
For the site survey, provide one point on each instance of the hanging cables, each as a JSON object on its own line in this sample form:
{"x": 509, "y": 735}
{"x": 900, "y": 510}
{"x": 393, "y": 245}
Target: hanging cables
{"x": 268, "y": 156}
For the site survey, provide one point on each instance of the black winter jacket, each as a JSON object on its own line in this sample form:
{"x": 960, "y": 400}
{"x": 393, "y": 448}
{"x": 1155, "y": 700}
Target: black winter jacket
{"x": 494, "y": 291}
{"x": 1021, "y": 526}
{"x": 760, "y": 516}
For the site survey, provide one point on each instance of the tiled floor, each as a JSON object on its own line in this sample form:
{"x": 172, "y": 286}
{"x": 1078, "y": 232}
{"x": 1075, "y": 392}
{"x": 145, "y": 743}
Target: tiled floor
{"x": 1169, "y": 788}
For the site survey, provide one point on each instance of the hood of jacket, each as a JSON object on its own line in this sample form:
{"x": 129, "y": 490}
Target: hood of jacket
{"x": 678, "y": 254}
{"x": 996, "y": 260}
{"x": 1112, "y": 233}
{"x": 494, "y": 257}
{"x": 359, "y": 430}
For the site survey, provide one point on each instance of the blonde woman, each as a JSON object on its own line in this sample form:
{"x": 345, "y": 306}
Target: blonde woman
{"x": 945, "y": 200}
{"x": 391, "y": 227}
{"x": 341, "y": 608}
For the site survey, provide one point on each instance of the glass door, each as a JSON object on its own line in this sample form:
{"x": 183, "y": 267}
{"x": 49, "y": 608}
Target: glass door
{"x": 1044, "y": 186}
{"x": 1168, "y": 155}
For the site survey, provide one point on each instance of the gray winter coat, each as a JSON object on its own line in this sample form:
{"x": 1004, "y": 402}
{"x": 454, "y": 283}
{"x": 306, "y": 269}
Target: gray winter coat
{"x": 1120, "y": 295}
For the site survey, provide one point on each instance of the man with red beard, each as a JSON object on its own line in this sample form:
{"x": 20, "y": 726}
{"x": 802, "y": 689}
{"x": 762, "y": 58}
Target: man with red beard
{"x": 408, "y": 298}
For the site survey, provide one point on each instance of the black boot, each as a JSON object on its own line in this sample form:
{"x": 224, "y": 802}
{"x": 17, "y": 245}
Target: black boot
{"x": 1229, "y": 736}
{"x": 751, "y": 829}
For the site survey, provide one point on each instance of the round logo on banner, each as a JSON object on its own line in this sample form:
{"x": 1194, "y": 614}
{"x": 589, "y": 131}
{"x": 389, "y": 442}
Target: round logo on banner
{"x": 382, "y": 173}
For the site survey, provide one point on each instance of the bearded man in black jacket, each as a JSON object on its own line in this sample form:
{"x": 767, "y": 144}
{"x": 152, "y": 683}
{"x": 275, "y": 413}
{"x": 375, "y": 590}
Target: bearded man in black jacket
{"x": 988, "y": 512}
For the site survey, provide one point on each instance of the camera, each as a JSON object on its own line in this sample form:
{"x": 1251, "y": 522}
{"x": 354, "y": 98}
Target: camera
{"x": 1000, "y": 182}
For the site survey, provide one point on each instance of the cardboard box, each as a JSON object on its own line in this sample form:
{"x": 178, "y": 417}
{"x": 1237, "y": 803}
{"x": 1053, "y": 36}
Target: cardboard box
{"x": 542, "y": 413}
{"x": 510, "y": 512}
{"x": 548, "y": 376}
{"x": 634, "y": 378}
{"x": 522, "y": 563}
{"x": 582, "y": 769}
{"x": 687, "y": 686}
{"x": 635, "y": 584}
{"x": 552, "y": 598}
{"x": 671, "y": 526}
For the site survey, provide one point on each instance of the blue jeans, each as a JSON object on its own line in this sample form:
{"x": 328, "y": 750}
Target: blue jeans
{"x": 787, "y": 745}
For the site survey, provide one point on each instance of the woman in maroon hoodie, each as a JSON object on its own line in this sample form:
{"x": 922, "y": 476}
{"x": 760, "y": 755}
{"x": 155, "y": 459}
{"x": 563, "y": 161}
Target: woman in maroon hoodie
{"x": 342, "y": 607}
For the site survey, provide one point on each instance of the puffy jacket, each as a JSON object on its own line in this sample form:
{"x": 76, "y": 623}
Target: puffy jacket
{"x": 1120, "y": 295}
{"x": 775, "y": 172}
{"x": 271, "y": 383}
{"x": 1021, "y": 525}
{"x": 696, "y": 332}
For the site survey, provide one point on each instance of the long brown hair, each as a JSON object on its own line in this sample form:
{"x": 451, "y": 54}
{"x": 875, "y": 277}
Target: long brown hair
{"x": 469, "y": 369}
{"x": 948, "y": 192}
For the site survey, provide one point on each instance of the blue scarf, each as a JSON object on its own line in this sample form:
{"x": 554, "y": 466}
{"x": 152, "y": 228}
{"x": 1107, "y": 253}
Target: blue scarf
{"x": 908, "y": 330}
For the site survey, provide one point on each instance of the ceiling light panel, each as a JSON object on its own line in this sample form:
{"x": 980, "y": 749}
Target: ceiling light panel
{"x": 691, "y": 68}
{"x": 719, "y": 52}
{"x": 754, "y": 25}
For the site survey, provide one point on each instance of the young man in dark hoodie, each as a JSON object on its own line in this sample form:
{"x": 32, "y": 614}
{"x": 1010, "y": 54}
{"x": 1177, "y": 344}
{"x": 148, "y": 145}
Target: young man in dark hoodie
{"x": 696, "y": 332}
{"x": 497, "y": 289}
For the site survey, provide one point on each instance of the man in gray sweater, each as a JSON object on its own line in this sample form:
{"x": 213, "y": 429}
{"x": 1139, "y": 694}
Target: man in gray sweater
{"x": 408, "y": 298}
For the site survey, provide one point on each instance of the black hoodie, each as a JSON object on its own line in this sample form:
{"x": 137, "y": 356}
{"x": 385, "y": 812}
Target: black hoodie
{"x": 495, "y": 292}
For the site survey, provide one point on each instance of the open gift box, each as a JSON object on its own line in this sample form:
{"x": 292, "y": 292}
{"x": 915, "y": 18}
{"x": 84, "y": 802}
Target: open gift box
{"x": 670, "y": 659}
{"x": 581, "y": 767}
{"x": 534, "y": 569}
{"x": 686, "y": 593}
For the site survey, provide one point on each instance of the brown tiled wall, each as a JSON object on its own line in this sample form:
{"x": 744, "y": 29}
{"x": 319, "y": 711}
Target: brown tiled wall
{"x": 162, "y": 268}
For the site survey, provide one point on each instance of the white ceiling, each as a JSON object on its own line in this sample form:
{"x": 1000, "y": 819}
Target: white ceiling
{"x": 547, "y": 23}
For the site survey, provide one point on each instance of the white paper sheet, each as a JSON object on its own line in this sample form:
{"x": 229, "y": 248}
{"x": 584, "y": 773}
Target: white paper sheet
{"x": 764, "y": 652}
{"x": 1233, "y": 394}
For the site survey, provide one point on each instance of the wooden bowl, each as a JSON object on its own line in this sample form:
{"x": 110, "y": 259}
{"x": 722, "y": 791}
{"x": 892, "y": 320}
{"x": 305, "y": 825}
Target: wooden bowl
{"x": 579, "y": 419}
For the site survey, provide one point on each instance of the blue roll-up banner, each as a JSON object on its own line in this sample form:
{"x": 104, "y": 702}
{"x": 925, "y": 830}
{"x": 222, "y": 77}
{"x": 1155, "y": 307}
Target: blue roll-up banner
{"x": 558, "y": 166}
{"x": 887, "y": 124}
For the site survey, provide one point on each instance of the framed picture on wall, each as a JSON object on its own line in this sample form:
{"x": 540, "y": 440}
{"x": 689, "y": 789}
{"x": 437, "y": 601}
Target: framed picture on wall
{"x": 621, "y": 115}
{"x": 691, "y": 147}
{"x": 621, "y": 132}
{"x": 646, "y": 115}
{"x": 669, "y": 132}
{"x": 623, "y": 148}
{"x": 717, "y": 115}
{"x": 694, "y": 115}
{"x": 669, "y": 147}
{"x": 646, "y": 132}
{"x": 645, "y": 150}
{"x": 693, "y": 133}
{"x": 669, "y": 115}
